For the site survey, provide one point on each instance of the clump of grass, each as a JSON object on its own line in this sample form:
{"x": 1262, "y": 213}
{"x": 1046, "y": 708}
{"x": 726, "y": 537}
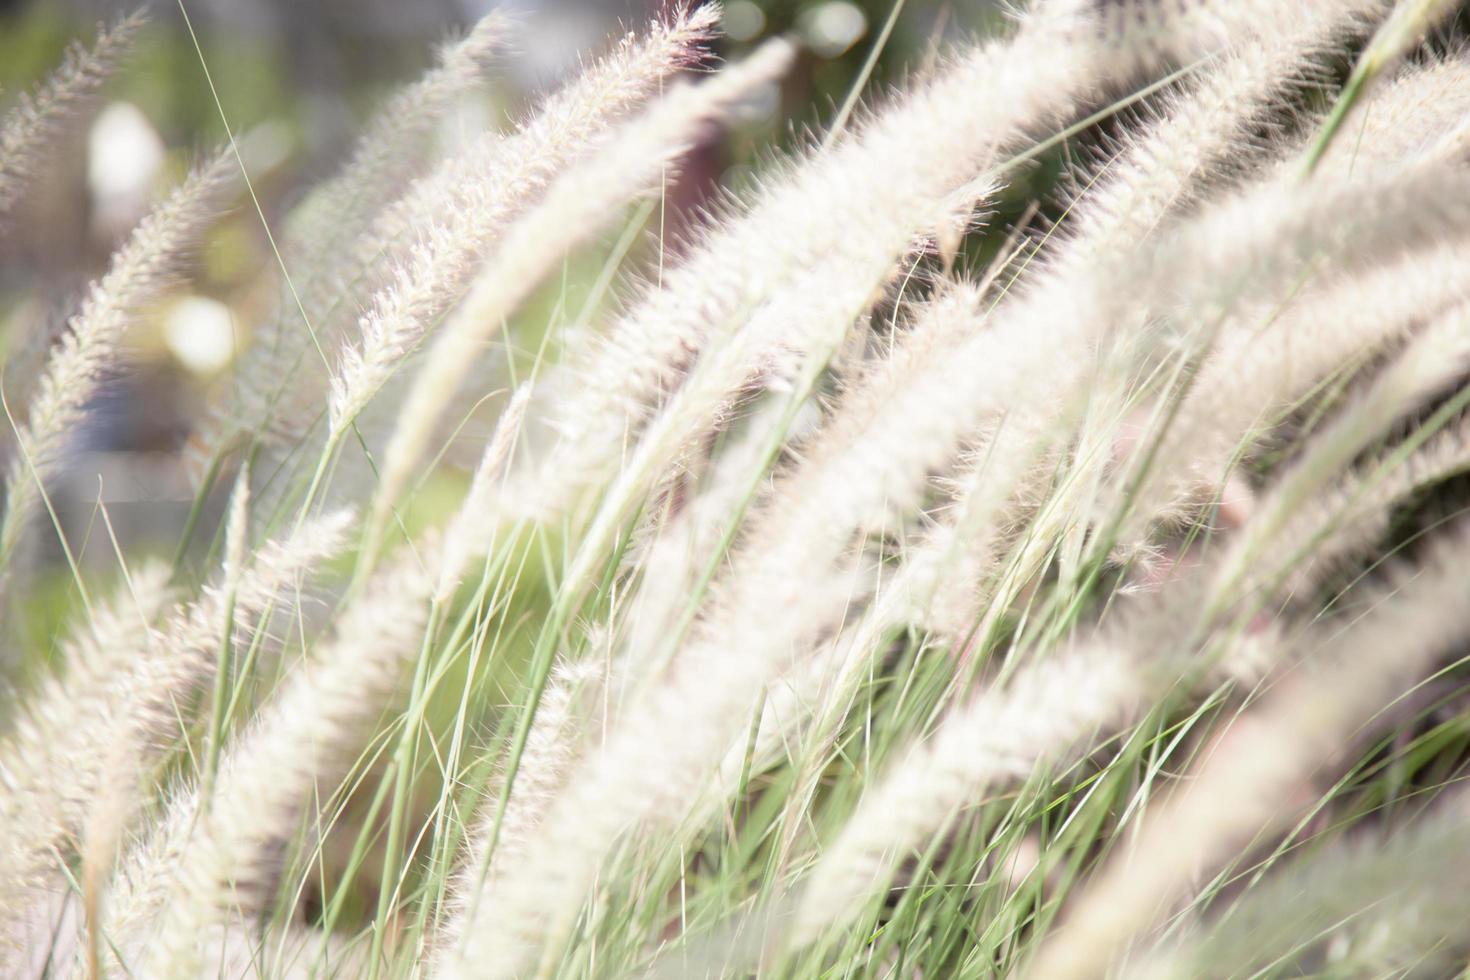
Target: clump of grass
{"x": 833, "y": 603}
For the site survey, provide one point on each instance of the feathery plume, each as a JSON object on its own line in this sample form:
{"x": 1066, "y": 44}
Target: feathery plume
{"x": 1238, "y": 789}
{"x": 654, "y": 757}
{"x": 139, "y": 272}
{"x": 709, "y": 689}
{"x": 29, "y": 129}
{"x": 1266, "y": 360}
{"x": 1172, "y": 31}
{"x": 794, "y": 592}
{"x": 1408, "y": 382}
{"x": 939, "y": 582}
{"x": 301, "y": 743}
{"x": 785, "y": 282}
{"x": 988, "y": 374}
{"x": 904, "y": 164}
{"x": 620, "y": 780}
{"x": 1158, "y": 173}
{"x": 1417, "y": 116}
{"x": 1378, "y": 905}
{"x": 1163, "y": 168}
{"x": 668, "y": 561}
{"x": 1005, "y": 735}
{"x": 147, "y": 688}
{"x": 52, "y": 772}
{"x": 1268, "y": 236}
{"x": 138, "y": 684}
{"x": 157, "y": 687}
{"x": 1406, "y": 27}
{"x": 916, "y": 800}
{"x": 1433, "y": 358}
{"x": 576, "y": 205}
{"x": 798, "y": 259}
{"x": 1342, "y": 523}
{"x": 466, "y": 220}
{"x": 332, "y": 221}
{"x": 387, "y": 154}
{"x": 1153, "y": 177}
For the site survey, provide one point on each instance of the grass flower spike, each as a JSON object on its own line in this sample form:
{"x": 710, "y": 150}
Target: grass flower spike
{"x": 950, "y": 496}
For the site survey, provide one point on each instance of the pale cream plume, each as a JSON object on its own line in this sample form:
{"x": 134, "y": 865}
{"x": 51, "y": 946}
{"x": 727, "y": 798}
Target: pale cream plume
{"x": 782, "y": 285}
{"x": 1375, "y": 905}
{"x": 1237, "y": 791}
{"x": 149, "y": 697}
{"x": 1005, "y": 735}
{"x": 140, "y": 271}
{"x": 640, "y": 764}
{"x": 576, "y": 205}
{"x": 1404, "y": 29}
{"x": 329, "y": 223}
{"x": 1342, "y": 524}
{"x": 806, "y": 318}
{"x": 1418, "y": 116}
{"x": 1436, "y": 356}
{"x": 301, "y": 744}
{"x": 457, "y": 222}
{"x": 1265, "y": 359}
{"x": 53, "y": 763}
{"x": 1152, "y": 177}
{"x": 40, "y": 117}
{"x": 387, "y": 155}
{"x": 949, "y": 768}
{"x": 770, "y": 260}
{"x": 1269, "y": 359}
